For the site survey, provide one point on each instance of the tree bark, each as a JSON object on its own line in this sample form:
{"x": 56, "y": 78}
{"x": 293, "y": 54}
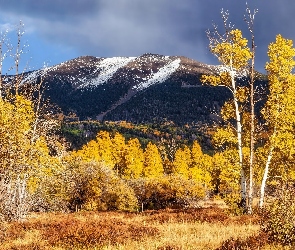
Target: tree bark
{"x": 252, "y": 132}
{"x": 265, "y": 176}
{"x": 243, "y": 202}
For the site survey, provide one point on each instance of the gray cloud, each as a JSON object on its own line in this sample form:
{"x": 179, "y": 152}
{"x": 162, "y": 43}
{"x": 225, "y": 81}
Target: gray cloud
{"x": 55, "y": 9}
{"x": 134, "y": 27}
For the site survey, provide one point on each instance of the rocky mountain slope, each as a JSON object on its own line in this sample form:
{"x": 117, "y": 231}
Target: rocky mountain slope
{"x": 148, "y": 88}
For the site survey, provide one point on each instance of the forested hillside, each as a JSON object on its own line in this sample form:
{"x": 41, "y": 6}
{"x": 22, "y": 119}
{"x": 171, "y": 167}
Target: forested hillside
{"x": 147, "y": 89}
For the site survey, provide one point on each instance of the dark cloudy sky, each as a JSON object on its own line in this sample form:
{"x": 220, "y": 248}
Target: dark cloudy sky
{"x": 59, "y": 30}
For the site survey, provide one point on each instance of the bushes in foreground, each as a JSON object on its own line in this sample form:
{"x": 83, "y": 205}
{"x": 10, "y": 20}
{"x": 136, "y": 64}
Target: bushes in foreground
{"x": 74, "y": 231}
{"x": 279, "y": 218}
{"x": 172, "y": 191}
{"x": 95, "y": 187}
{"x": 277, "y": 225}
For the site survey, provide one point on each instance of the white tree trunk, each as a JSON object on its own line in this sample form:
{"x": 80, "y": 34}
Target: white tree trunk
{"x": 14, "y": 199}
{"x": 240, "y": 145}
{"x": 240, "y": 149}
{"x": 265, "y": 176}
{"x": 252, "y": 126}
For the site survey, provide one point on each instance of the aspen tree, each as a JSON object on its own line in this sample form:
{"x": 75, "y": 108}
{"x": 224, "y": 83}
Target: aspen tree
{"x": 118, "y": 149}
{"x": 105, "y": 148}
{"x": 182, "y": 162}
{"x": 153, "y": 166}
{"x": 249, "y": 18}
{"x": 25, "y": 157}
{"x": 201, "y": 165}
{"x": 232, "y": 51}
{"x": 133, "y": 160}
{"x": 99, "y": 150}
{"x": 279, "y": 110}
{"x": 23, "y": 162}
{"x": 88, "y": 153}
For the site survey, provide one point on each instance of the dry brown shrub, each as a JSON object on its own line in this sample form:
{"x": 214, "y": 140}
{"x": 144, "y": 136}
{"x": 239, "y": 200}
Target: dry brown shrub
{"x": 68, "y": 231}
{"x": 13, "y": 231}
{"x": 112, "y": 229}
{"x": 169, "y": 247}
{"x": 252, "y": 242}
{"x": 210, "y": 215}
{"x": 32, "y": 246}
{"x": 246, "y": 219}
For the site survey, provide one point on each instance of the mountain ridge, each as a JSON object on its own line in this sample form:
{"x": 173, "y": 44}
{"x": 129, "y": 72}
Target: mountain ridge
{"x": 148, "y": 88}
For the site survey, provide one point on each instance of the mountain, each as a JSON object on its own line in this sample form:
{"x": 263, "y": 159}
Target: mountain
{"x": 148, "y": 88}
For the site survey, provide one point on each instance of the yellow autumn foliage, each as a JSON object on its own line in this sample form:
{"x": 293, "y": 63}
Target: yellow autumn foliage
{"x": 133, "y": 160}
{"x": 153, "y": 166}
{"x": 233, "y": 52}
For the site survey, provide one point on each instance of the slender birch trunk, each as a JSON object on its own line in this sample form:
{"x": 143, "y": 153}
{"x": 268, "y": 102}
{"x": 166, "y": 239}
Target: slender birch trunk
{"x": 249, "y": 18}
{"x": 252, "y": 153}
{"x": 252, "y": 132}
{"x": 265, "y": 176}
{"x": 240, "y": 150}
{"x": 239, "y": 137}
{"x": 252, "y": 125}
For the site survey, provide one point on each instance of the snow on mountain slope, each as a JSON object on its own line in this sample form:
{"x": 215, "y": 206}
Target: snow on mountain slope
{"x": 138, "y": 73}
{"x": 124, "y": 87}
{"x": 85, "y": 72}
{"x": 90, "y": 72}
{"x": 162, "y": 75}
{"x": 107, "y": 68}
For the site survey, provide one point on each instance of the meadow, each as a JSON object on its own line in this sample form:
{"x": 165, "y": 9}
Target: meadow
{"x": 207, "y": 227}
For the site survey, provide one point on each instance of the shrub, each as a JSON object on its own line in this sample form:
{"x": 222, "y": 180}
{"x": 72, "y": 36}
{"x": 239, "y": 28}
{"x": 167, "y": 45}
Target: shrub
{"x": 279, "y": 218}
{"x": 233, "y": 201}
{"x": 251, "y": 242}
{"x": 167, "y": 192}
{"x": 96, "y": 187}
{"x": 88, "y": 230}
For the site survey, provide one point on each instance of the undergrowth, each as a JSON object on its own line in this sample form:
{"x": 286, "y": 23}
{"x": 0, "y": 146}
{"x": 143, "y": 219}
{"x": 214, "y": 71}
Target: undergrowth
{"x": 162, "y": 229}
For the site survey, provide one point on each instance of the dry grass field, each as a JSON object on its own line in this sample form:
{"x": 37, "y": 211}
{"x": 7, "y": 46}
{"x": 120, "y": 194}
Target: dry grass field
{"x": 202, "y": 228}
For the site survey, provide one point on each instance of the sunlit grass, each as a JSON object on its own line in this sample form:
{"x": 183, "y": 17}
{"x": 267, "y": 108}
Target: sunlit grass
{"x": 204, "y": 228}
{"x": 190, "y": 236}
{"x": 168, "y": 229}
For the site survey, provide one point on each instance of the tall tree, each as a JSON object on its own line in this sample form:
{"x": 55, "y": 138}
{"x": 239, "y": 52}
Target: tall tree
{"x": 249, "y": 18}
{"x": 24, "y": 152}
{"x": 201, "y": 165}
{"x": 232, "y": 51}
{"x": 133, "y": 160}
{"x": 21, "y": 159}
{"x": 182, "y": 162}
{"x": 105, "y": 148}
{"x": 118, "y": 149}
{"x": 279, "y": 110}
{"x": 153, "y": 166}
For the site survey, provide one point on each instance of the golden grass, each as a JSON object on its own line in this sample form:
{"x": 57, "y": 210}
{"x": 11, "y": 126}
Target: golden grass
{"x": 189, "y": 236}
{"x": 205, "y": 228}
